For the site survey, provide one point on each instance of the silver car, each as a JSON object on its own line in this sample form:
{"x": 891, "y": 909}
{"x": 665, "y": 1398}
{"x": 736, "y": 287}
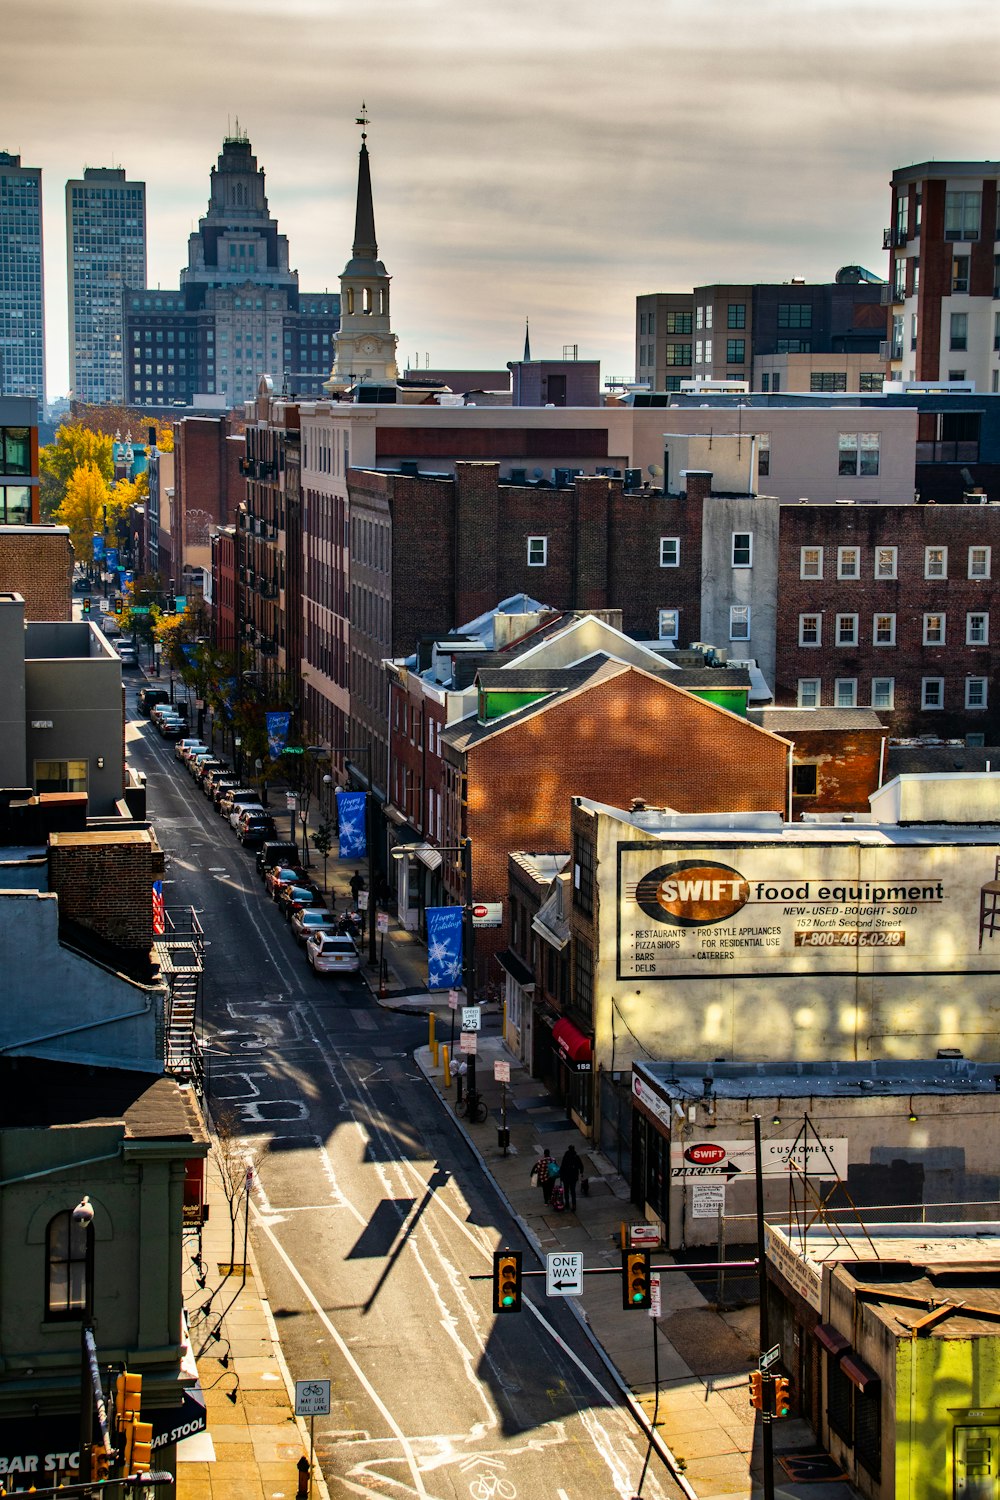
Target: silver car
{"x": 333, "y": 953}
{"x": 311, "y": 921}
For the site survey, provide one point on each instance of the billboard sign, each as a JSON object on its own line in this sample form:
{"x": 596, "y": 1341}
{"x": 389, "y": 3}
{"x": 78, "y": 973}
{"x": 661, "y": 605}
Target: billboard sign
{"x": 820, "y": 1157}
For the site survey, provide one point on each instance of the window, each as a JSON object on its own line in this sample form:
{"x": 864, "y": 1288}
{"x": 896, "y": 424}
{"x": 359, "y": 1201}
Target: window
{"x": 960, "y": 273}
{"x": 708, "y": 316}
{"x": 60, "y": 775}
{"x": 742, "y": 549}
{"x": 979, "y": 562}
{"x": 763, "y": 453}
{"x": 583, "y": 874}
{"x": 935, "y": 562}
{"x": 795, "y": 315}
{"x": 883, "y": 692}
{"x": 678, "y": 354}
{"x": 847, "y": 630}
{"x": 739, "y": 622}
{"x": 884, "y": 630}
{"x": 845, "y": 692}
{"x": 809, "y": 691}
{"x": 934, "y": 629}
{"x": 538, "y": 551}
{"x": 962, "y": 213}
{"x": 858, "y": 453}
{"x": 811, "y": 562}
{"x": 827, "y": 380}
{"x": 870, "y": 380}
{"x": 765, "y": 383}
{"x": 848, "y": 562}
{"x": 642, "y": 322}
{"x": 932, "y": 692}
{"x": 583, "y": 979}
{"x": 735, "y": 351}
{"x": 839, "y": 1401}
{"x": 868, "y": 1429}
{"x": 810, "y": 630}
{"x": 805, "y": 781}
{"x": 956, "y": 374}
{"x": 959, "y": 325}
{"x": 736, "y": 316}
{"x": 670, "y": 551}
{"x": 708, "y": 351}
{"x": 975, "y": 692}
{"x": 885, "y": 562}
{"x": 699, "y": 317}
{"x": 977, "y": 629}
{"x": 668, "y": 624}
{"x": 790, "y": 346}
{"x": 678, "y": 322}
{"x": 67, "y": 1267}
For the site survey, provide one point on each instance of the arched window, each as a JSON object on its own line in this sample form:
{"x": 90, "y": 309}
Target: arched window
{"x": 350, "y": 299}
{"x": 68, "y": 1269}
{"x": 383, "y": 301}
{"x": 367, "y": 294}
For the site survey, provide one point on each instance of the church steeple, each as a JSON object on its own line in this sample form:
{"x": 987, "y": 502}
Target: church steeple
{"x": 365, "y": 346}
{"x": 527, "y": 344}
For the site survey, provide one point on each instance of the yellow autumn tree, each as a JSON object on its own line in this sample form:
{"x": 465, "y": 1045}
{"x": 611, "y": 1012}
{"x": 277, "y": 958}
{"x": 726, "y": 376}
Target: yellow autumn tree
{"x": 75, "y": 446}
{"x": 86, "y": 503}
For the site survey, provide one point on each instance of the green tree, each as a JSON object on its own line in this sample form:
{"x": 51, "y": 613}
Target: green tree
{"x": 74, "y": 448}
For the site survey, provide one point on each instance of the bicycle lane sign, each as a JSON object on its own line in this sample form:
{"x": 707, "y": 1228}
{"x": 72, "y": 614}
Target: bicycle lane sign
{"x": 312, "y": 1398}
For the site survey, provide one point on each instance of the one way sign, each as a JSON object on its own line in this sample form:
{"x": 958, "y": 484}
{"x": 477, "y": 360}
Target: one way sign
{"x": 564, "y": 1274}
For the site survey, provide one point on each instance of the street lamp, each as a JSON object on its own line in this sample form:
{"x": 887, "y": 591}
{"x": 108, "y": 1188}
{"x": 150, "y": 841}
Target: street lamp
{"x": 237, "y": 742}
{"x": 83, "y": 1220}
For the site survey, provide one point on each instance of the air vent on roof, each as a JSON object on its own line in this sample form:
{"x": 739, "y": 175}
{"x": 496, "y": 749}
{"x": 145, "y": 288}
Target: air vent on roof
{"x": 410, "y": 467}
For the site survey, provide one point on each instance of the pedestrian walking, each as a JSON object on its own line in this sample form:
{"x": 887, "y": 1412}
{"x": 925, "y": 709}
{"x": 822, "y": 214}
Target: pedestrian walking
{"x": 543, "y": 1173}
{"x": 357, "y": 883}
{"x": 569, "y": 1170}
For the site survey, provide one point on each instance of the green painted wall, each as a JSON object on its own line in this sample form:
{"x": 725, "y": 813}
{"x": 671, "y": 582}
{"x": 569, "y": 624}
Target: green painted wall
{"x": 947, "y": 1395}
{"x": 495, "y": 705}
{"x": 735, "y": 699}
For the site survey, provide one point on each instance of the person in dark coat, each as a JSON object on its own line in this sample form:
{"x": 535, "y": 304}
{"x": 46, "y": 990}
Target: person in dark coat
{"x": 357, "y": 883}
{"x": 569, "y": 1170}
{"x": 542, "y": 1172}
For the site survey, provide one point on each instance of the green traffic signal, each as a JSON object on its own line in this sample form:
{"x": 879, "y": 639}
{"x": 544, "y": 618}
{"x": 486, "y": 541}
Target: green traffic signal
{"x": 506, "y": 1281}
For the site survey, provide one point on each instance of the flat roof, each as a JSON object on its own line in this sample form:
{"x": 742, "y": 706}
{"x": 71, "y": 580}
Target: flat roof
{"x": 666, "y": 827}
{"x": 791, "y": 1080}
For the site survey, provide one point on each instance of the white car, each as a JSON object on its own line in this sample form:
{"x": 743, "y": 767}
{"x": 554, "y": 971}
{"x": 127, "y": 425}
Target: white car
{"x": 333, "y": 953}
{"x": 184, "y": 749}
{"x": 239, "y": 808}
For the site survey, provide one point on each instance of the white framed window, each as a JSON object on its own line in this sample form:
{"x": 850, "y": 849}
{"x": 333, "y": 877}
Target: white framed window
{"x": 883, "y": 630}
{"x": 857, "y": 453}
{"x": 975, "y": 692}
{"x": 883, "y": 692}
{"x": 932, "y": 692}
{"x": 811, "y": 562}
{"x": 739, "y": 622}
{"x": 848, "y": 562}
{"x": 742, "y": 549}
{"x": 979, "y": 562}
{"x": 668, "y": 623}
{"x": 670, "y": 551}
{"x": 845, "y": 692}
{"x": 538, "y": 551}
{"x": 809, "y": 692}
{"x": 935, "y": 562}
{"x": 934, "y": 630}
{"x": 847, "y": 630}
{"x": 811, "y": 630}
{"x": 977, "y": 628}
{"x": 886, "y": 562}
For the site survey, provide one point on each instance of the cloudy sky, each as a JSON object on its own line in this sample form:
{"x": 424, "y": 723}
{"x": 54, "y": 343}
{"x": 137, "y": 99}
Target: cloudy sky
{"x": 548, "y": 158}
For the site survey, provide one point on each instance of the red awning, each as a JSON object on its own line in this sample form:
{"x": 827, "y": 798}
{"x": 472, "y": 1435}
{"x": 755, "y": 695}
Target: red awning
{"x": 573, "y": 1046}
{"x": 860, "y": 1374}
{"x": 832, "y": 1340}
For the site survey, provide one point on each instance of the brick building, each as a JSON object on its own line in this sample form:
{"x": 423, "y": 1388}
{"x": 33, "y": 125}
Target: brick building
{"x": 838, "y": 756}
{"x": 37, "y": 563}
{"x": 208, "y": 487}
{"x": 890, "y": 610}
{"x": 224, "y": 586}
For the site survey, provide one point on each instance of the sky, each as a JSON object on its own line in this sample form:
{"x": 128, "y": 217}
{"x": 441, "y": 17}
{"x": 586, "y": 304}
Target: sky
{"x": 549, "y": 159}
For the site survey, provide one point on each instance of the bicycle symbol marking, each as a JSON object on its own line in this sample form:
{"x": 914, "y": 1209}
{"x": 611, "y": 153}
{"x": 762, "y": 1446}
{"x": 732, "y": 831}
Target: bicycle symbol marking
{"x": 492, "y": 1487}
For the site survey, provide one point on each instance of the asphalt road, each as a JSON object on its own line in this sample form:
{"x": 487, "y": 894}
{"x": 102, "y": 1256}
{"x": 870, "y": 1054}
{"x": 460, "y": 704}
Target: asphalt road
{"x": 370, "y": 1216}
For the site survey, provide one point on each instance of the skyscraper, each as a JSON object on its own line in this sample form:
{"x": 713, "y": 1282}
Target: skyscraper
{"x": 106, "y": 251}
{"x": 238, "y": 313}
{"x": 22, "y": 305}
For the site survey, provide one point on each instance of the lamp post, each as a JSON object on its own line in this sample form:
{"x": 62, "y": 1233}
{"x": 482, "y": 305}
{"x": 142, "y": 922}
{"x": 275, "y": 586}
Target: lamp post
{"x": 237, "y": 742}
{"x": 82, "y": 1220}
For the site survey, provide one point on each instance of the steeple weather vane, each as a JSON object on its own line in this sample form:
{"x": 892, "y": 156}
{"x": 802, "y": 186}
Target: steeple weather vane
{"x": 362, "y": 120}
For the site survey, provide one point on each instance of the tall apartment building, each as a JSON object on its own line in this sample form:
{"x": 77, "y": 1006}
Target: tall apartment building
{"x": 238, "y": 312}
{"x": 944, "y": 273}
{"x": 825, "y": 335}
{"x": 105, "y": 253}
{"x": 22, "y": 300}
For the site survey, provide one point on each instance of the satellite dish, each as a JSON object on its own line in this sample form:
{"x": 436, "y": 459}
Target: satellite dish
{"x": 656, "y": 470}
{"x": 538, "y": 473}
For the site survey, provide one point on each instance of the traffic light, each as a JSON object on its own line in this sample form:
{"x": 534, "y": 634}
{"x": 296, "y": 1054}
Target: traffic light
{"x": 100, "y": 1462}
{"x": 635, "y": 1279}
{"x": 128, "y": 1397}
{"x": 506, "y": 1281}
{"x": 118, "y": 604}
{"x": 139, "y": 1448}
{"x": 782, "y": 1396}
{"x": 171, "y": 604}
{"x": 756, "y": 1390}
{"x": 86, "y": 605}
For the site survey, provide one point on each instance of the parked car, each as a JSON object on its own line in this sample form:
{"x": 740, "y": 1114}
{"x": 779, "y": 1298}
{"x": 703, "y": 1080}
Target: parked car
{"x": 240, "y": 806}
{"x": 217, "y": 774}
{"x": 198, "y": 758}
{"x": 307, "y": 921}
{"x": 186, "y": 747}
{"x": 253, "y": 828}
{"x": 221, "y": 786}
{"x": 202, "y": 765}
{"x": 150, "y": 696}
{"x": 293, "y": 898}
{"x": 127, "y": 655}
{"x": 275, "y": 852}
{"x": 233, "y": 794}
{"x": 172, "y": 729}
{"x": 332, "y": 953}
{"x": 280, "y": 875}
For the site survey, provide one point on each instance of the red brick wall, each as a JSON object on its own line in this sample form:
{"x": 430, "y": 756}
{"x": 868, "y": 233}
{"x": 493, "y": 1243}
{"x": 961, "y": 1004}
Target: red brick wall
{"x": 629, "y": 737}
{"x": 104, "y": 884}
{"x": 39, "y": 566}
{"x": 935, "y": 283}
{"x": 847, "y": 768}
{"x": 207, "y": 482}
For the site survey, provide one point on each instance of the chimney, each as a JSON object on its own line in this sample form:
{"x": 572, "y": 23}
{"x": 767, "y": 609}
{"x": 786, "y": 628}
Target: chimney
{"x": 697, "y": 483}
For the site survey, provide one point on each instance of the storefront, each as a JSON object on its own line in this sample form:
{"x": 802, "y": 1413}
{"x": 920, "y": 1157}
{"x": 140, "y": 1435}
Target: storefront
{"x": 575, "y": 1055}
{"x": 519, "y": 990}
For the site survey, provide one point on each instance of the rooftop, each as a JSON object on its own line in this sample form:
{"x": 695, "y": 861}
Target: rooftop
{"x": 792, "y": 1080}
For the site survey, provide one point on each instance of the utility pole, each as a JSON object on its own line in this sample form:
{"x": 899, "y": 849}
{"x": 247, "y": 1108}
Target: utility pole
{"x": 767, "y": 1434}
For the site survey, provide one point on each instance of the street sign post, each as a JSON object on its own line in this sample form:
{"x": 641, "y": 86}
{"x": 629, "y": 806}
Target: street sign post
{"x": 468, "y": 1042}
{"x": 655, "y": 1297}
{"x": 501, "y": 1071}
{"x": 767, "y": 1360}
{"x": 472, "y": 1017}
{"x": 312, "y": 1400}
{"x": 564, "y": 1274}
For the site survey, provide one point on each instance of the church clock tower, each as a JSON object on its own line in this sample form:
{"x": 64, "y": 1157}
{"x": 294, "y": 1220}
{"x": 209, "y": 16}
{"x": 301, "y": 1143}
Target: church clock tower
{"x": 365, "y": 346}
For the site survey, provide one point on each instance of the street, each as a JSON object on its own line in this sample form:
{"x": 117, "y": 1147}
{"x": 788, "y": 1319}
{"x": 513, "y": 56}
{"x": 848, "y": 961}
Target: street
{"x": 370, "y": 1215}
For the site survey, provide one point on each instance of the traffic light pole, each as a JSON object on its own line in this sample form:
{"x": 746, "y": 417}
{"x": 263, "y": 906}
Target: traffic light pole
{"x": 767, "y": 1434}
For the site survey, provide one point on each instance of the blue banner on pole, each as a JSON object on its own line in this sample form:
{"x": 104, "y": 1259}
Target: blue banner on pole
{"x": 112, "y": 557}
{"x": 444, "y": 947}
{"x": 353, "y": 842}
{"x": 98, "y": 546}
{"x": 277, "y": 733}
